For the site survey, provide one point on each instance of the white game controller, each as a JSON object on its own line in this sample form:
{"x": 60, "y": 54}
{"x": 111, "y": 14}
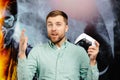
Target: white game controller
{"x": 87, "y": 37}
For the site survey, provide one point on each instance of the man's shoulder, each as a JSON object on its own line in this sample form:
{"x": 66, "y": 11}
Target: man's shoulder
{"x": 77, "y": 50}
{"x": 40, "y": 46}
{"x": 37, "y": 48}
{"x": 77, "y": 47}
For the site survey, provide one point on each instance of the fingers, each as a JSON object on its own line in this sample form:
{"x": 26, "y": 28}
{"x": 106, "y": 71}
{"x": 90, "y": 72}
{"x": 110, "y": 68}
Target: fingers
{"x": 94, "y": 47}
{"x": 93, "y": 50}
{"x": 92, "y": 53}
{"x": 26, "y": 39}
{"x": 97, "y": 44}
{"x": 22, "y": 36}
{"x": 23, "y": 42}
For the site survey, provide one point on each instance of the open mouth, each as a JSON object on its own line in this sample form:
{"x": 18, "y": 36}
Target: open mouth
{"x": 54, "y": 34}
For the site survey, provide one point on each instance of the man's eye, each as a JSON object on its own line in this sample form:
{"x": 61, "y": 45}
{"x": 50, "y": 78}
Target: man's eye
{"x": 49, "y": 25}
{"x": 58, "y": 24}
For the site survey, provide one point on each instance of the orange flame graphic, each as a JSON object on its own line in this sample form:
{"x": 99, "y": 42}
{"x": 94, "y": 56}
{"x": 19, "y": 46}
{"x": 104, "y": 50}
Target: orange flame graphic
{"x": 5, "y": 61}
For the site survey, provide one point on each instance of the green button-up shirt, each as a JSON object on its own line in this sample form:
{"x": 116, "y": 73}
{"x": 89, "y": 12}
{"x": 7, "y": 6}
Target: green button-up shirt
{"x": 70, "y": 62}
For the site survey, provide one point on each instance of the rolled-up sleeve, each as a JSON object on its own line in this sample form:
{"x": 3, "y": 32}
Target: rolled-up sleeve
{"x": 27, "y": 67}
{"x": 93, "y": 73}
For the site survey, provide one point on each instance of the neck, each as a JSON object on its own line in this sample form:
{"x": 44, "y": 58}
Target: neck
{"x": 58, "y": 44}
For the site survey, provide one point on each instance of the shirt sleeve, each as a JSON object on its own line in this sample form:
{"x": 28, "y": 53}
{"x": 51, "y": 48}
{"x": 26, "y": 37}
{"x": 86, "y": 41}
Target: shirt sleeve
{"x": 27, "y": 67}
{"x": 93, "y": 73}
{"x": 88, "y": 72}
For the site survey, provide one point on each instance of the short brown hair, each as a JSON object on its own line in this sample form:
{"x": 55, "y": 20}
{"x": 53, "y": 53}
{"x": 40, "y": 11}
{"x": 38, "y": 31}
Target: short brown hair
{"x": 56, "y": 13}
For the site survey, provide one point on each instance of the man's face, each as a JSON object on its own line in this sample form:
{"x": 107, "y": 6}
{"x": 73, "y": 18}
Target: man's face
{"x": 56, "y": 28}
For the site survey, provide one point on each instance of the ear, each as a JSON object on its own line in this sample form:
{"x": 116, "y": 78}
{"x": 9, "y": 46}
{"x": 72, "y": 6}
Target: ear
{"x": 66, "y": 28}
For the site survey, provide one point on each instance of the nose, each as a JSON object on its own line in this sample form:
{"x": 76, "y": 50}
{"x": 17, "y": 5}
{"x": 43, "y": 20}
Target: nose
{"x": 54, "y": 28}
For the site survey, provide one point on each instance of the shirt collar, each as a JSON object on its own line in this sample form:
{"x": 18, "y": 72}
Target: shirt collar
{"x": 52, "y": 45}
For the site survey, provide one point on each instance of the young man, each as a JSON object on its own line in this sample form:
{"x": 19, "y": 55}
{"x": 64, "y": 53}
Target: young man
{"x": 58, "y": 59}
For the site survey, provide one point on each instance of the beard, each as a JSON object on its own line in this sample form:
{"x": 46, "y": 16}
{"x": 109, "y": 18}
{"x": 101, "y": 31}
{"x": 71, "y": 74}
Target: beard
{"x": 56, "y": 39}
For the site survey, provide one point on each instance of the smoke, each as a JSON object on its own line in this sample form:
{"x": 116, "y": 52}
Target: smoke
{"x": 106, "y": 11}
{"x": 32, "y": 15}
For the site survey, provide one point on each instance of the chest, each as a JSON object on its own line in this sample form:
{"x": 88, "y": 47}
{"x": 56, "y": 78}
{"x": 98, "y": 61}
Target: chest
{"x": 62, "y": 61}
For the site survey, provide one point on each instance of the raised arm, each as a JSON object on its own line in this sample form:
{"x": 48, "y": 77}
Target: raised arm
{"x": 26, "y": 65}
{"x": 93, "y": 52}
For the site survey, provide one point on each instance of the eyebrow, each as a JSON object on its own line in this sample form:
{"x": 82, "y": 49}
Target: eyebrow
{"x": 58, "y": 22}
{"x": 49, "y": 22}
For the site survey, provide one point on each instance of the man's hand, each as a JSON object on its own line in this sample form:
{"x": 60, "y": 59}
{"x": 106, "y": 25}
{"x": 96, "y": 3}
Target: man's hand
{"x": 93, "y": 52}
{"x": 22, "y": 45}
